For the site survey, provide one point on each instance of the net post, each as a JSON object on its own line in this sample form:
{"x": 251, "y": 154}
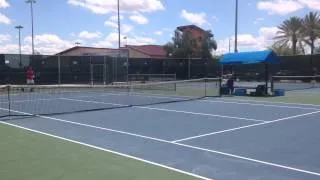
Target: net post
{"x": 272, "y": 85}
{"x": 104, "y": 71}
{"x": 266, "y": 66}
{"x": 220, "y": 86}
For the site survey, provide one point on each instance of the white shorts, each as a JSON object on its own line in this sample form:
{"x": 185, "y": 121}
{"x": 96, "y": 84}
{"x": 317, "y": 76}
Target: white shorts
{"x": 30, "y": 81}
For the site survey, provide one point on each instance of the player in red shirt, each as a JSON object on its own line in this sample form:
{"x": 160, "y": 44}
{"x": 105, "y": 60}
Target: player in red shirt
{"x": 30, "y": 76}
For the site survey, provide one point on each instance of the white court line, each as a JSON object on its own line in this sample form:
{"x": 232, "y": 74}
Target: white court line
{"x": 264, "y": 105}
{"x": 109, "y": 151}
{"x": 158, "y": 96}
{"x": 195, "y": 113}
{"x": 243, "y": 127}
{"x": 31, "y": 100}
{"x": 271, "y": 102}
{"x": 250, "y": 159}
{"x": 94, "y": 102}
{"x": 168, "y": 110}
{"x": 194, "y": 147}
{"x": 86, "y": 125}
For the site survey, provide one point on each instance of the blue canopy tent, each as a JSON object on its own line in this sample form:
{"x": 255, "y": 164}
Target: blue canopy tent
{"x": 245, "y": 58}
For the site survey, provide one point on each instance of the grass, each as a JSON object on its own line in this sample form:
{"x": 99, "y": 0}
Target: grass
{"x": 31, "y": 156}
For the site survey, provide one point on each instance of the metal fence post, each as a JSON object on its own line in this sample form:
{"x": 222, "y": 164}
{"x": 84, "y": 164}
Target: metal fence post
{"x": 104, "y": 70}
{"x": 59, "y": 70}
{"x": 91, "y": 71}
{"x": 189, "y": 68}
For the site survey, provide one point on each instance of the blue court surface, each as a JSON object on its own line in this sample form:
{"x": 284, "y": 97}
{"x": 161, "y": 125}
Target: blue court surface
{"x": 214, "y": 138}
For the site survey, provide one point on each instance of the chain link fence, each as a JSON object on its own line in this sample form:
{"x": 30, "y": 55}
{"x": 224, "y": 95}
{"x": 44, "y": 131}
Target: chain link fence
{"x": 106, "y": 69}
{"x": 63, "y": 69}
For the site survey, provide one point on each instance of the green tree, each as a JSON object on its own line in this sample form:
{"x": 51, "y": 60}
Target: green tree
{"x": 181, "y": 47}
{"x": 290, "y": 33}
{"x": 208, "y": 44}
{"x": 285, "y": 49}
{"x": 281, "y": 49}
{"x": 311, "y": 29}
{"x": 169, "y": 48}
{"x": 187, "y": 46}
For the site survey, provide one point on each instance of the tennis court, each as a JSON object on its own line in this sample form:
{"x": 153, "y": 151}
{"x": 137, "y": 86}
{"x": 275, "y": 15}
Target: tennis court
{"x": 193, "y": 136}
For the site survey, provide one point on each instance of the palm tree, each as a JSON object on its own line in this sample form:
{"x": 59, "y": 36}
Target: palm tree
{"x": 311, "y": 29}
{"x": 290, "y": 32}
{"x": 281, "y": 49}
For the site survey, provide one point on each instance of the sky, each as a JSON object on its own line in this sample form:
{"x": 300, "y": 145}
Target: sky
{"x": 59, "y": 24}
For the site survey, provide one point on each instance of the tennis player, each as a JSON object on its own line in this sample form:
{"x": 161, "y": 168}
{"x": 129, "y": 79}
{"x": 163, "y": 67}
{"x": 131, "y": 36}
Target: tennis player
{"x": 230, "y": 84}
{"x": 30, "y": 76}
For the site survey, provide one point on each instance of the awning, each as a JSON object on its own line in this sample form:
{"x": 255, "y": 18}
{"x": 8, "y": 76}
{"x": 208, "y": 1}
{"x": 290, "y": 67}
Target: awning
{"x": 267, "y": 57}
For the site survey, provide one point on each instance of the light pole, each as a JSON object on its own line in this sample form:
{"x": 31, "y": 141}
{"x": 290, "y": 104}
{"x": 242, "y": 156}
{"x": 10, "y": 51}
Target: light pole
{"x": 119, "y": 41}
{"x": 19, "y": 27}
{"x": 31, "y": 2}
{"x": 119, "y": 29}
{"x": 125, "y": 41}
{"x": 236, "y": 30}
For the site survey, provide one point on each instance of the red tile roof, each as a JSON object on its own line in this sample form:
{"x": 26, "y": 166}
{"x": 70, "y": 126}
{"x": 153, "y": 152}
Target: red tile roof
{"x": 150, "y": 50}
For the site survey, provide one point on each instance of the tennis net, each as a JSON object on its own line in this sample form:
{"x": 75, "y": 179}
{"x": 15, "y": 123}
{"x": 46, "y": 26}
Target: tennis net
{"x": 24, "y": 100}
{"x": 152, "y": 77}
{"x": 290, "y": 83}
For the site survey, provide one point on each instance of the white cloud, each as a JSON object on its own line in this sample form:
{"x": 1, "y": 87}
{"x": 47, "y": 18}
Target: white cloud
{"x": 47, "y": 44}
{"x": 103, "y": 44}
{"x": 4, "y": 19}
{"x": 88, "y": 35}
{"x": 4, "y": 38}
{"x": 9, "y": 49}
{"x": 311, "y": 4}
{"x": 107, "y": 6}
{"x": 268, "y": 33}
{"x": 159, "y": 33}
{"x": 4, "y": 4}
{"x": 137, "y": 40}
{"x": 246, "y": 40}
{"x": 281, "y": 7}
{"x": 249, "y": 42}
{"x": 125, "y": 28}
{"x": 258, "y": 20}
{"x": 194, "y": 18}
{"x": 111, "y": 24}
{"x": 111, "y": 40}
{"x": 139, "y": 19}
{"x": 115, "y": 18}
